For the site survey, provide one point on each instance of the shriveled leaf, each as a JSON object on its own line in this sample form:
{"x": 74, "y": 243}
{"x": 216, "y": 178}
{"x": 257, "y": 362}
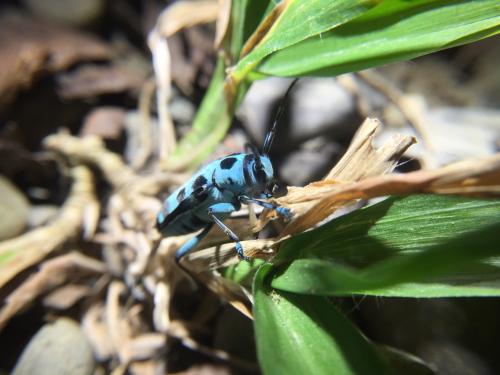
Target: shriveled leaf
{"x": 299, "y": 334}
{"x": 419, "y": 246}
{"x": 393, "y": 31}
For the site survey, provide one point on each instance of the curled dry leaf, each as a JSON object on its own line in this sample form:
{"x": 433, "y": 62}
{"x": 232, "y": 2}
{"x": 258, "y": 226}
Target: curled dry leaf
{"x": 26, "y": 250}
{"x": 52, "y": 273}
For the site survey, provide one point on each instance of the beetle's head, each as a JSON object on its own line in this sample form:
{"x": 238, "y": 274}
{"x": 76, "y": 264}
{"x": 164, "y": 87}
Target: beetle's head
{"x": 258, "y": 171}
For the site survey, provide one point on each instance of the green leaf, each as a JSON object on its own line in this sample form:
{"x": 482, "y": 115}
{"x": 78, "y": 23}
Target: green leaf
{"x": 307, "y": 335}
{"x": 419, "y": 246}
{"x": 393, "y": 31}
{"x": 299, "y": 21}
{"x": 243, "y": 272}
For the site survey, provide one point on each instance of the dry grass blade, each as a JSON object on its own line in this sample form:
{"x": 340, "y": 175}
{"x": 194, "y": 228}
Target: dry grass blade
{"x": 52, "y": 273}
{"x": 22, "y": 252}
{"x": 478, "y": 177}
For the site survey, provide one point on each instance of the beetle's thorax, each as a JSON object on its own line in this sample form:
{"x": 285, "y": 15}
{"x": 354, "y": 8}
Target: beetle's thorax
{"x": 244, "y": 174}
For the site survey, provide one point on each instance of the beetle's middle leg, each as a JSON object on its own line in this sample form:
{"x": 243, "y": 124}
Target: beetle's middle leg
{"x": 226, "y": 208}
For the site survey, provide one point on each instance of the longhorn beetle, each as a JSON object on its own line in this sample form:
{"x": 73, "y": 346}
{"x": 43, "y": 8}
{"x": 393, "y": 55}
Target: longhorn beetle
{"x": 220, "y": 188}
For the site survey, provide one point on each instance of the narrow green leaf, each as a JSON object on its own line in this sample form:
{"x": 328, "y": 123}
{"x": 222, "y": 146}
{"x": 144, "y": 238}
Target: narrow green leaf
{"x": 299, "y": 21}
{"x": 307, "y": 335}
{"x": 419, "y": 246}
{"x": 393, "y": 31}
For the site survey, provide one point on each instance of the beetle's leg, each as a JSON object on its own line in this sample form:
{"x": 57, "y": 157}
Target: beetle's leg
{"x": 191, "y": 243}
{"x": 226, "y": 208}
{"x": 283, "y": 211}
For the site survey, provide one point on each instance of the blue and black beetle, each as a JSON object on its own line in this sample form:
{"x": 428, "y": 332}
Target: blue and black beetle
{"x": 218, "y": 189}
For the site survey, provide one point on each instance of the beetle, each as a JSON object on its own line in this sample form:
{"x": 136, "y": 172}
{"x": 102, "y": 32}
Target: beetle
{"x": 218, "y": 189}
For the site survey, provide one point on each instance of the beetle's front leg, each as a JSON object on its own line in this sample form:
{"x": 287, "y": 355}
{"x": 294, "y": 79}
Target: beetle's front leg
{"x": 226, "y": 209}
{"x": 283, "y": 211}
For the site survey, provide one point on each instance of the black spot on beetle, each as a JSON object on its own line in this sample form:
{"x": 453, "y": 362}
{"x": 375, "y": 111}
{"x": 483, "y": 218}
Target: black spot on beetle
{"x": 199, "y": 182}
{"x": 227, "y": 163}
{"x": 230, "y": 180}
{"x": 181, "y": 195}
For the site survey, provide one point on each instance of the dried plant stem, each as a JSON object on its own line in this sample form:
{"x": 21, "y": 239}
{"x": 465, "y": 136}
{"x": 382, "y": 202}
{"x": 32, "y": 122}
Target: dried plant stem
{"x": 24, "y": 251}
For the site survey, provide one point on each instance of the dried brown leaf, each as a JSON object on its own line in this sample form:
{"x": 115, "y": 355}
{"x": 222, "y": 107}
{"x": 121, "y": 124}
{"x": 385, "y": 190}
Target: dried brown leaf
{"x": 477, "y": 177}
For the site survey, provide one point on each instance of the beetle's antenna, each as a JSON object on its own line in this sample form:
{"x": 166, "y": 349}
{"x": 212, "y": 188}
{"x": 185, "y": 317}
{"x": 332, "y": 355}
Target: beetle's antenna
{"x": 255, "y": 151}
{"x": 281, "y": 109}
